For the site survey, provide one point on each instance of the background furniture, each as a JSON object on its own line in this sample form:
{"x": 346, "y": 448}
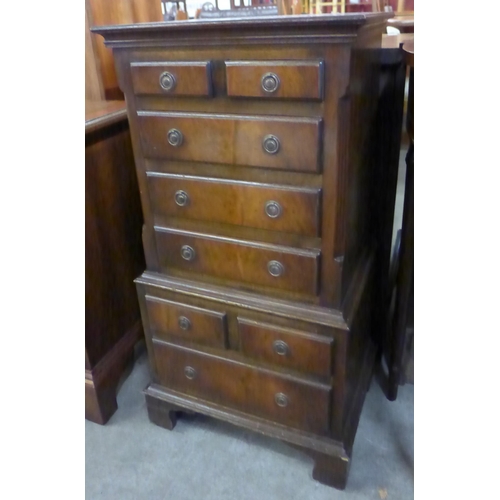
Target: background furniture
{"x": 327, "y": 6}
{"x": 94, "y": 90}
{"x": 254, "y": 152}
{"x": 173, "y": 8}
{"x": 399, "y": 347}
{"x": 404, "y": 18}
{"x": 389, "y": 140}
{"x": 100, "y": 74}
{"x": 113, "y": 255}
{"x": 405, "y": 23}
{"x": 210, "y": 11}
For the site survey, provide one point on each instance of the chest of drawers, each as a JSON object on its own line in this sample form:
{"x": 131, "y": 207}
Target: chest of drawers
{"x": 252, "y": 141}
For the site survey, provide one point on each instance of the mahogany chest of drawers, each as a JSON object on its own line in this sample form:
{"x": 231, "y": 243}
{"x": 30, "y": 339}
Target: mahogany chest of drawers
{"x": 252, "y": 147}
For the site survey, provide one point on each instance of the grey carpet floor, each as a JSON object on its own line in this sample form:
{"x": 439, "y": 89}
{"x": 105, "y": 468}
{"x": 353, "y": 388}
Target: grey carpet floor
{"x": 202, "y": 459}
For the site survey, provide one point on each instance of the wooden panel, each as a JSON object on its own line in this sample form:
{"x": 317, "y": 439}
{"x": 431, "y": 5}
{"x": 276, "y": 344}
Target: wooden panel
{"x": 102, "y": 114}
{"x": 118, "y": 12}
{"x": 113, "y": 247}
{"x": 232, "y": 139}
{"x": 239, "y": 260}
{"x": 189, "y": 78}
{"x": 167, "y": 318}
{"x": 293, "y": 79}
{"x": 102, "y": 381}
{"x": 237, "y": 385}
{"x": 113, "y": 255}
{"x": 286, "y": 347}
{"x": 233, "y": 202}
{"x": 93, "y": 84}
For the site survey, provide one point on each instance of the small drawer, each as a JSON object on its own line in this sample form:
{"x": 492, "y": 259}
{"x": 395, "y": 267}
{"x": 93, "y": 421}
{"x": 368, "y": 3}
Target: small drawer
{"x": 167, "y": 318}
{"x": 305, "y": 352}
{"x": 282, "y": 399}
{"x": 264, "y": 206}
{"x": 291, "y": 269}
{"x": 289, "y": 143}
{"x": 172, "y": 78}
{"x": 275, "y": 79}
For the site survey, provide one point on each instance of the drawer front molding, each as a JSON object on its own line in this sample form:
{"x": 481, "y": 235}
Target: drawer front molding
{"x": 264, "y": 206}
{"x": 298, "y": 350}
{"x": 244, "y": 387}
{"x": 275, "y": 79}
{"x": 175, "y": 319}
{"x": 169, "y": 78}
{"x": 239, "y": 260}
{"x": 233, "y": 139}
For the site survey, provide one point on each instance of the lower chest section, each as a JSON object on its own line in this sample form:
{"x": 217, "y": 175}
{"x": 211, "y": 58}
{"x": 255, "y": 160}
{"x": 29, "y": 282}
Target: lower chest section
{"x": 241, "y": 359}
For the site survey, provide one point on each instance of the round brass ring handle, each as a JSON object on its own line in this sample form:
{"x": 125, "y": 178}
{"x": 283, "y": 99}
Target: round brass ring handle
{"x": 281, "y": 399}
{"x": 270, "y": 82}
{"x": 275, "y": 268}
{"x": 187, "y": 252}
{"x": 181, "y": 198}
{"x": 280, "y": 347}
{"x": 184, "y": 323}
{"x": 273, "y": 209}
{"x": 175, "y": 137}
{"x": 167, "y": 81}
{"x": 271, "y": 144}
{"x": 190, "y": 372}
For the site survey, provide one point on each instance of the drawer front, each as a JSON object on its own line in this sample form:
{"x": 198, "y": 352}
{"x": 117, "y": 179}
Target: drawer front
{"x": 272, "y": 142}
{"x": 264, "y": 206}
{"x": 275, "y": 79}
{"x": 167, "y": 318}
{"x": 275, "y": 266}
{"x": 285, "y": 347}
{"x": 172, "y": 78}
{"x": 242, "y": 387}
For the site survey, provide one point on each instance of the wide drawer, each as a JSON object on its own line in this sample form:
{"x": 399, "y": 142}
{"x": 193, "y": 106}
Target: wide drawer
{"x": 286, "y": 347}
{"x": 275, "y": 79}
{"x": 192, "y": 78}
{"x": 285, "y": 400}
{"x": 290, "y": 143}
{"x": 264, "y": 206}
{"x": 286, "y": 268}
{"x": 174, "y": 319}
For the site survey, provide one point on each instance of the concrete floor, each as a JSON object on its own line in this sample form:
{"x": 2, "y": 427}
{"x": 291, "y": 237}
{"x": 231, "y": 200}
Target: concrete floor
{"x": 202, "y": 459}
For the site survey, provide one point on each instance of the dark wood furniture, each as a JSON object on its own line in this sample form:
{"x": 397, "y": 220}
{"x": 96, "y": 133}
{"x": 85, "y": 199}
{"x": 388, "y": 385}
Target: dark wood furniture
{"x": 113, "y": 255}
{"x": 253, "y": 142}
{"x": 94, "y": 90}
{"x": 404, "y": 23}
{"x": 99, "y": 65}
{"x": 389, "y": 140}
{"x": 399, "y": 344}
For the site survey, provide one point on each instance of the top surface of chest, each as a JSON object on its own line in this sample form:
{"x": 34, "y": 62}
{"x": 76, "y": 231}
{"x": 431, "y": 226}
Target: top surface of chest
{"x": 279, "y": 29}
